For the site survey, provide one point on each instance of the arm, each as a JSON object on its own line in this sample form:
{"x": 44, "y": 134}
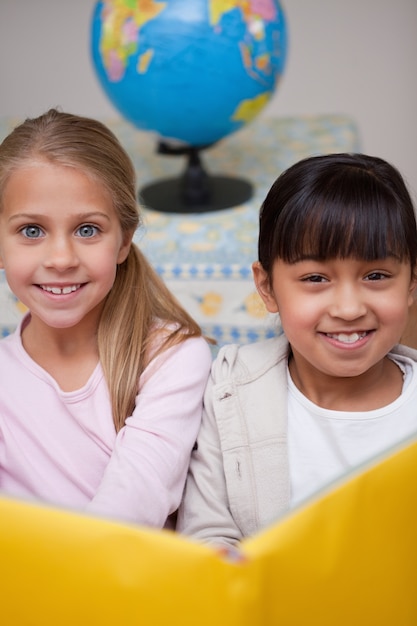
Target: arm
{"x": 144, "y": 480}
{"x": 205, "y": 512}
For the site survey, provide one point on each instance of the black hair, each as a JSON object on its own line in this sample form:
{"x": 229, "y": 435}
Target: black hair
{"x": 338, "y": 206}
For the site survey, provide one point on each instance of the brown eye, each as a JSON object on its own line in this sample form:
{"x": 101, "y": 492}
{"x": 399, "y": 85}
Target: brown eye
{"x": 314, "y": 278}
{"x": 376, "y": 276}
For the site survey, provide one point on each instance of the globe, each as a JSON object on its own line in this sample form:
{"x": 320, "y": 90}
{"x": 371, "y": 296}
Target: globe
{"x": 191, "y": 71}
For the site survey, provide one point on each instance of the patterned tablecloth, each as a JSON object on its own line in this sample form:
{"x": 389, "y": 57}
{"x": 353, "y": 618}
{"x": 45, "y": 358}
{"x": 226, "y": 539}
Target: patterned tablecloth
{"x": 206, "y": 258}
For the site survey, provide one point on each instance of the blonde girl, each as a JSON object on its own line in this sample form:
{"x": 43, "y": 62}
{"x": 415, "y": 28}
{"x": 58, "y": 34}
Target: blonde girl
{"x": 102, "y": 382}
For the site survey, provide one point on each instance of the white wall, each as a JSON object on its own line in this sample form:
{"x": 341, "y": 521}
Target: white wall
{"x": 345, "y": 56}
{"x": 357, "y": 57}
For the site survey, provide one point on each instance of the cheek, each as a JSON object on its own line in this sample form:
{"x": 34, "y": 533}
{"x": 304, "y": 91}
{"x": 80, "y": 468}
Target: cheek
{"x": 297, "y": 317}
{"x": 394, "y": 304}
{"x": 19, "y": 281}
{"x": 17, "y": 267}
{"x": 394, "y": 313}
{"x": 298, "y": 305}
{"x": 106, "y": 271}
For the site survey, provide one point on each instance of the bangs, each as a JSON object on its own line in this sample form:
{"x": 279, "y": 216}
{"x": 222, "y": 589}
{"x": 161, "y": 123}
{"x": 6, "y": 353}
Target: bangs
{"x": 352, "y": 217}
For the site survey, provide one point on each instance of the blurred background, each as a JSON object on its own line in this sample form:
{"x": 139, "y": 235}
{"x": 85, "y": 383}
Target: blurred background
{"x": 355, "y": 57}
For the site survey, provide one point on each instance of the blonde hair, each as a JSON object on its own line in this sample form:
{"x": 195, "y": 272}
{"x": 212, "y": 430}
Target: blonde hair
{"x": 139, "y": 305}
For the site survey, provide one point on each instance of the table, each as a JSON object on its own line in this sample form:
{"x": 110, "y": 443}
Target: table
{"x": 205, "y": 258}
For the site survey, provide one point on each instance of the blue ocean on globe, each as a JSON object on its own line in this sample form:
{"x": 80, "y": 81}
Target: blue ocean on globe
{"x": 192, "y": 71}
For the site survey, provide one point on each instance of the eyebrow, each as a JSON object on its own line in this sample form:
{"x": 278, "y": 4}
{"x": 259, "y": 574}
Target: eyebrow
{"x": 81, "y": 217}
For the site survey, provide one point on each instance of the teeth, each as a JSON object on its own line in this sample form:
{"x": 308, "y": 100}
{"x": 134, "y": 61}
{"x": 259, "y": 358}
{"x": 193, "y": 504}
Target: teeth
{"x": 59, "y": 291}
{"x": 69, "y": 289}
{"x": 345, "y": 338}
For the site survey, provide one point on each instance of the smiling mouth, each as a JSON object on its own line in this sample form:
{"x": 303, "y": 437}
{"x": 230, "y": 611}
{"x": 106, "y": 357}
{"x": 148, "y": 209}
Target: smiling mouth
{"x": 347, "y": 337}
{"x": 58, "y": 291}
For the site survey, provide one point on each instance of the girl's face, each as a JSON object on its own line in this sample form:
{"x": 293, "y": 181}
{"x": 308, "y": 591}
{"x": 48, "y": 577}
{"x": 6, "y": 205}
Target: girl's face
{"x": 341, "y": 316}
{"x": 60, "y": 243}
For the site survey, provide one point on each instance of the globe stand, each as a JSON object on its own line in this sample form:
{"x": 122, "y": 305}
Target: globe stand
{"x": 195, "y": 191}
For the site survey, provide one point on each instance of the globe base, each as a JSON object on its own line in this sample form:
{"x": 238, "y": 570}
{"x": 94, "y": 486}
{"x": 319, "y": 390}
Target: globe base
{"x": 195, "y": 191}
{"x": 167, "y": 195}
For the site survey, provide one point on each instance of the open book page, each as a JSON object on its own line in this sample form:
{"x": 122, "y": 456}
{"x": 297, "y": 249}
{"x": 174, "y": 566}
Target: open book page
{"x": 346, "y": 557}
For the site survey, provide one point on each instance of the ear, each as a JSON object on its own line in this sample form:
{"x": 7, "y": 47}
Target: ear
{"x": 125, "y": 246}
{"x": 412, "y": 291}
{"x": 263, "y": 286}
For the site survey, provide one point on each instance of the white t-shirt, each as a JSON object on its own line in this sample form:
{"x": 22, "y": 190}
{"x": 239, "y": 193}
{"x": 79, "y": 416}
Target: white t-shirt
{"x": 324, "y": 444}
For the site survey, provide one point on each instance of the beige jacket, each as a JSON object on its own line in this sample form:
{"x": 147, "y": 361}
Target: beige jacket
{"x": 238, "y": 481}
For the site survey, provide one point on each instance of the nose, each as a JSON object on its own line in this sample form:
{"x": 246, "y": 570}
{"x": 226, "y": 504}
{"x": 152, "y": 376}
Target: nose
{"x": 61, "y": 254}
{"x": 348, "y": 302}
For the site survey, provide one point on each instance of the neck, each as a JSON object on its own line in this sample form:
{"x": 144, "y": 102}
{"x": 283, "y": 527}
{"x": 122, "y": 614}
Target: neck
{"x": 69, "y": 355}
{"x": 374, "y": 389}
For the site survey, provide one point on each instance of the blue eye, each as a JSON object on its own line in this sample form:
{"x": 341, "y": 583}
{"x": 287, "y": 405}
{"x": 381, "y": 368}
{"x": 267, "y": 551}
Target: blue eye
{"x": 32, "y": 232}
{"x": 87, "y": 230}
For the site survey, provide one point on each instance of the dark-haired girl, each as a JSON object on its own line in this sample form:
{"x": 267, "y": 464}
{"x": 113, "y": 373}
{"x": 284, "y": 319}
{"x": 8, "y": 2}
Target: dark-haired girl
{"x": 287, "y": 416}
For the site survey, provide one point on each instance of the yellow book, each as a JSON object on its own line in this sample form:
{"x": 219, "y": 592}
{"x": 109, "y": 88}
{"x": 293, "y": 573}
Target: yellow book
{"x": 346, "y": 557}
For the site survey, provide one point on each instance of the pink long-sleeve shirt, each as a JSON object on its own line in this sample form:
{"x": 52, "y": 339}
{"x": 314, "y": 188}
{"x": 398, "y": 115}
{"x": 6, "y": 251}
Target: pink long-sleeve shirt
{"x": 61, "y": 447}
